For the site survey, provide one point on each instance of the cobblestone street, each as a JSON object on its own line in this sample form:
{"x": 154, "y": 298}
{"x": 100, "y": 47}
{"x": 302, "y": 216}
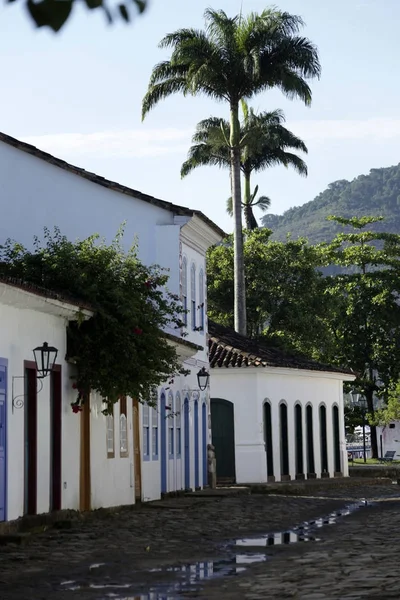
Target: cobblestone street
{"x": 129, "y": 554}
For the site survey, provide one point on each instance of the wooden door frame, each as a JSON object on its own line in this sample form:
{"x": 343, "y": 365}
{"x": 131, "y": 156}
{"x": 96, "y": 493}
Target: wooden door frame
{"x": 137, "y": 458}
{"x": 56, "y": 438}
{"x": 30, "y": 420}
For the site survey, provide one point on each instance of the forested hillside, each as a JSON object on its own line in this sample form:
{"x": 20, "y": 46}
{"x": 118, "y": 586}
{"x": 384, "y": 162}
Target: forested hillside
{"x": 375, "y": 194}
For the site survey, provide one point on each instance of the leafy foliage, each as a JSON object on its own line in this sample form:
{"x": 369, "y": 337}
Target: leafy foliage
{"x": 391, "y": 412}
{"x": 377, "y": 193}
{"x": 121, "y": 350}
{"x": 285, "y": 301}
{"x": 55, "y": 13}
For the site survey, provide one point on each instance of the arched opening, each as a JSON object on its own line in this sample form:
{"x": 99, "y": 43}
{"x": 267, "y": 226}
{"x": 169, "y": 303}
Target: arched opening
{"x": 298, "y": 424}
{"x": 186, "y": 443}
{"x": 223, "y": 438}
{"x": 196, "y": 445}
{"x": 310, "y": 442}
{"x": 284, "y": 441}
{"x": 323, "y": 441}
{"x": 163, "y": 442}
{"x": 204, "y": 439}
{"x": 336, "y": 440}
{"x": 269, "y": 448}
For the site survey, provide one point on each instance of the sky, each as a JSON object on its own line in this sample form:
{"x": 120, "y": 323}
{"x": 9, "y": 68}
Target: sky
{"x": 78, "y": 95}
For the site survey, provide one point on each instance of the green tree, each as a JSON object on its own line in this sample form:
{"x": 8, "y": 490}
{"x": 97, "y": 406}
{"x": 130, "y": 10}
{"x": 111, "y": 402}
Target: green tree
{"x": 234, "y": 59}
{"x": 364, "y": 309}
{"x": 391, "y": 412}
{"x": 285, "y": 301}
{"x": 264, "y": 143}
{"x": 55, "y": 13}
{"x": 121, "y": 350}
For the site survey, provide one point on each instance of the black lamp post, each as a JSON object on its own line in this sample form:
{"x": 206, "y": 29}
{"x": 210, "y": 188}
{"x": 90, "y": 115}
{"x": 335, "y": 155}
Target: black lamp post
{"x": 45, "y": 357}
{"x": 202, "y": 378}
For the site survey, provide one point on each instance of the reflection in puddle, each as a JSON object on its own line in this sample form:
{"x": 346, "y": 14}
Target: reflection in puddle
{"x": 190, "y": 575}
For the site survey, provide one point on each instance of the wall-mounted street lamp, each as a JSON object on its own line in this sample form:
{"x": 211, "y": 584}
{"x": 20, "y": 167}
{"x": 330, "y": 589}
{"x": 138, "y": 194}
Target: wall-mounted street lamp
{"x": 203, "y": 377}
{"x": 45, "y": 357}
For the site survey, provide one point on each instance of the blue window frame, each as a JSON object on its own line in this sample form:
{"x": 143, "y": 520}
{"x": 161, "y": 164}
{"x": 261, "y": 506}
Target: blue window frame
{"x": 154, "y": 427}
{"x": 193, "y": 295}
{"x": 178, "y": 421}
{"x": 171, "y": 419}
{"x": 146, "y": 432}
{"x": 184, "y": 290}
{"x": 201, "y": 299}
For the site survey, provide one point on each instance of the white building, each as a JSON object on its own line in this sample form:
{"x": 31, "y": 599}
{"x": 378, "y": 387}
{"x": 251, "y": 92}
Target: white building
{"x": 157, "y": 454}
{"x": 275, "y": 416}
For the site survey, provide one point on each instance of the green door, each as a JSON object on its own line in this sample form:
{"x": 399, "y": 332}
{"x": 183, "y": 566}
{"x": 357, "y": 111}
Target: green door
{"x": 223, "y": 438}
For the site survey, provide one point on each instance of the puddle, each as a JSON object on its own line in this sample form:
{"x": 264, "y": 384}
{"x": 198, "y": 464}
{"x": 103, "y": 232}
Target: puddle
{"x": 238, "y": 558}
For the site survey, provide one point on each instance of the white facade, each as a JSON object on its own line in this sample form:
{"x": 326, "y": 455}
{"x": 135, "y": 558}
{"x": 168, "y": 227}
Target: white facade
{"x": 249, "y": 389}
{"x": 50, "y": 193}
{"x": 389, "y": 439}
{"x": 27, "y": 320}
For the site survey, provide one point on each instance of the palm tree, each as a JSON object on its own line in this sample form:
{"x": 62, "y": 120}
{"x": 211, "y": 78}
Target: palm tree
{"x": 233, "y": 59}
{"x": 262, "y": 202}
{"x": 264, "y": 142}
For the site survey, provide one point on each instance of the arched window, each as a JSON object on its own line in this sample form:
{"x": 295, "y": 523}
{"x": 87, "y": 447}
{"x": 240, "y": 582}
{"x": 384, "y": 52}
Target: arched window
{"x": 269, "y": 448}
{"x": 170, "y": 416}
{"x": 201, "y": 299}
{"x": 178, "y": 410}
{"x": 146, "y": 431}
{"x": 193, "y": 294}
{"x": 310, "y": 441}
{"x": 184, "y": 289}
{"x": 336, "y": 439}
{"x": 323, "y": 439}
{"x": 123, "y": 428}
{"x": 299, "y": 439}
{"x": 284, "y": 440}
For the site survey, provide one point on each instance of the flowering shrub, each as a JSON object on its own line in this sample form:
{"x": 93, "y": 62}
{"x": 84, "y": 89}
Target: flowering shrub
{"x": 121, "y": 350}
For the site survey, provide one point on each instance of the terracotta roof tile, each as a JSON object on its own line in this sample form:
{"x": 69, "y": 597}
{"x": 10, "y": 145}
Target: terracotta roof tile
{"x": 230, "y": 349}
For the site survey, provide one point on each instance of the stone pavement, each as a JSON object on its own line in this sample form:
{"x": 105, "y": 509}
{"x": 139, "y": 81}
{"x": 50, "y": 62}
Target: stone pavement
{"x": 111, "y": 555}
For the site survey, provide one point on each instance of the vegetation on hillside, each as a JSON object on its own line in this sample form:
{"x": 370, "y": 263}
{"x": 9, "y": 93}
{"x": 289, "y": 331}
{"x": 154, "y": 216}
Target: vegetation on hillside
{"x": 377, "y": 193}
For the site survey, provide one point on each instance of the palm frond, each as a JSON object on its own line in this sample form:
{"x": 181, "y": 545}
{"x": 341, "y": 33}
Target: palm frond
{"x": 201, "y": 155}
{"x": 229, "y": 206}
{"x": 161, "y": 91}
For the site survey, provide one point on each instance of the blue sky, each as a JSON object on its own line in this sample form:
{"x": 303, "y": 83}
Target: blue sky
{"x": 78, "y": 95}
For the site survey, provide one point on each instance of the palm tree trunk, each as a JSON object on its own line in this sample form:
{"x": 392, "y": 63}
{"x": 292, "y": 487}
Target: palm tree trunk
{"x": 247, "y": 201}
{"x": 238, "y": 257}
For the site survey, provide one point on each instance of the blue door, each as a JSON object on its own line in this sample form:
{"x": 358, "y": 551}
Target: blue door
{"x": 163, "y": 446}
{"x": 187, "y": 444}
{"x": 3, "y": 438}
{"x": 196, "y": 445}
{"x": 204, "y": 440}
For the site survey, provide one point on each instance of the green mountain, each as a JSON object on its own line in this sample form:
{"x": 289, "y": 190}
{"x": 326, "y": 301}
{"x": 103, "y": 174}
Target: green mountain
{"x": 376, "y": 194}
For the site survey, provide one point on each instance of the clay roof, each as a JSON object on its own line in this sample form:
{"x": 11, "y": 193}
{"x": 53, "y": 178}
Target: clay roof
{"x": 230, "y": 349}
{"x": 117, "y": 187}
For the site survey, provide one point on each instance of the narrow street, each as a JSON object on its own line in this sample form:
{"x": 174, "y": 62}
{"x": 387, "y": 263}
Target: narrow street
{"x": 233, "y": 547}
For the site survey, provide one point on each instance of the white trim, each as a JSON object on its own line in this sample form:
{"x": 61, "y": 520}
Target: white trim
{"x": 229, "y": 371}
{"x": 199, "y": 236}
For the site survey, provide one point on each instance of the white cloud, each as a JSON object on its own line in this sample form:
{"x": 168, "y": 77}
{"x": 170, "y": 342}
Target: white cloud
{"x": 145, "y": 143}
{"x": 377, "y": 129}
{"x": 123, "y": 144}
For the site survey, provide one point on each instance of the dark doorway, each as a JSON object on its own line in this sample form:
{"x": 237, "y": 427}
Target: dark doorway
{"x": 269, "y": 449}
{"x": 223, "y": 438}
{"x": 30, "y": 440}
{"x": 55, "y": 439}
{"x": 310, "y": 441}
{"x": 284, "y": 440}
{"x": 336, "y": 440}
{"x": 3, "y": 438}
{"x": 323, "y": 438}
{"x": 298, "y": 424}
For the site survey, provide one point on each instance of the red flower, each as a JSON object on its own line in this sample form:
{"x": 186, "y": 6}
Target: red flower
{"x": 137, "y": 331}
{"x": 74, "y": 385}
{"x": 148, "y": 283}
{"x": 76, "y": 408}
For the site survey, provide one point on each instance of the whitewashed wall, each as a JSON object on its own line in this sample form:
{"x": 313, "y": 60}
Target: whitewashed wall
{"x": 21, "y": 331}
{"x": 390, "y": 439}
{"x": 249, "y": 388}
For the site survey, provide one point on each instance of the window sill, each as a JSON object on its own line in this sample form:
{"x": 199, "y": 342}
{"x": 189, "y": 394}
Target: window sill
{"x": 124, "y": 454}
{"x": 110, "y": 454}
